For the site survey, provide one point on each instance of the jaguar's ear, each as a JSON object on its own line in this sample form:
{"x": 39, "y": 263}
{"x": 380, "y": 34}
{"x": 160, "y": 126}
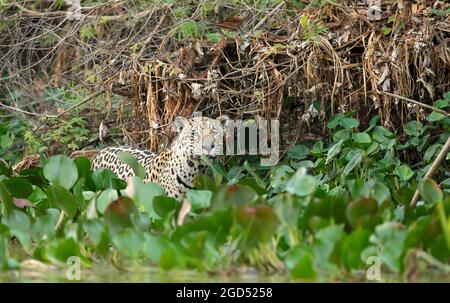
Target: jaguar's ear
{"x": 178, "y": 124}
{"x": 223, "y": 119}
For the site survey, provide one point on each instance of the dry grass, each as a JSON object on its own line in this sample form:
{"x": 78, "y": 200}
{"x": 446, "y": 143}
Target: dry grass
{"x": 275, "y": 62}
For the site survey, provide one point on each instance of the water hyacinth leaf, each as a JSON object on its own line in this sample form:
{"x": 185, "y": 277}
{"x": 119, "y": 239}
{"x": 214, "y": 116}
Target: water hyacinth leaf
{"x": 154, "y": 247}
{"x": 95, "y": 228}
{"x": 204, "y": 182}
{"x": 104, "y": 178}
{"x": 132, "y": 162}
{"x": 334, "y": 151}
{"x": 63, "y": 250}
{"x": 44, "y": 226}
{"x": 325, "y": 246}
{"x": 236, "y": 194}
{"x": 353, "y": 246}
{"x": 145, "y": 193}
{"x": 287, "y": 210}
{"x": 61, "y": 170}
{"x": 349, "y": 123}
{"x": 304, "y": 269}
{"x": 199, "y": 198}
{"x": 105, "y": 198}
{"x": 301, "y": 184}
{"x": 63, "y": 199}
{"x": 19, "y": 187}
{"x": 259, "y": 223}
{"x": 363, "y": 213}
{"x": 404, "y": 172}
{"x": 118, "y": 214}
{"x": 19, "y": 224}
{"x": 362, "y": 138}
{"x": 128, "y": 242}
{"x": 4, "y": 255}
{"x": 164, "y": 206}
{"x": 430, "y": 191}
{"x": 300, "y": 261}
{"x": 5, "y": 197}
{"x": 83, "y": 165}
{"x": 390, "y": 237}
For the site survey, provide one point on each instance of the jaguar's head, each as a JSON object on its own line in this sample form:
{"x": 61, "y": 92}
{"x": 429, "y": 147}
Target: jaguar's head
{"x": 199, "y": 136}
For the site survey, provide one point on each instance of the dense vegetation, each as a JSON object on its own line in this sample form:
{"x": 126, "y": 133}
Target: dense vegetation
{"x": 320, "y": 213}
{"x": 342, "y": 78}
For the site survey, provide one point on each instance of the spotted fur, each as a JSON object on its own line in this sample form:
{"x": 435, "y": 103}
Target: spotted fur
{"x": 176, "y": 167}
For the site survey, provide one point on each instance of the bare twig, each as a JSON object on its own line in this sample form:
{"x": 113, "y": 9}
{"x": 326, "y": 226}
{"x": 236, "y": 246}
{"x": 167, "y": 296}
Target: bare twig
{"x": 437, "y": 162}
{"x": 417, "y": 103}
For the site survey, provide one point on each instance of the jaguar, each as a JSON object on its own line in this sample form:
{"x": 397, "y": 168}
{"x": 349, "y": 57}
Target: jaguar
{"x": 176, "y": 167}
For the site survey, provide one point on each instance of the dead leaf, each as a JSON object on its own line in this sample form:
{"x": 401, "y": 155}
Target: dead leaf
{"x": 232, "y": 23}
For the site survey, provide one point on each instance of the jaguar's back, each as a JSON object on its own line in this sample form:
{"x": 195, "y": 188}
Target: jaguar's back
{"x": 176, "y": 167}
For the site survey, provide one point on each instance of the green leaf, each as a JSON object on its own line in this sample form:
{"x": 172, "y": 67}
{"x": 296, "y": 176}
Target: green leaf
{"x": 5, "y": 197}
{"x": 298, "y": 152}
{"x": 145, "y": 193}
{"x": 354, "y": 161}
{"x": 301, "y": 184}
{"x": 199, "y": 198}
{"x": 19, "y": 224}
{"x": 334, "y": 151}
{"x": 435, "y": 116}
{"x": 431, "y": 151}
{"x": 63, "y": 199}
{"x": 236, "y": 194}
{"x": 213, "y": 37}
{"x": 19, "y": 187}
{"x": 362, "y": 138}
{"x": 154, "y": 247}
{"x": 280, "y": 176}
{"x": 258, "y": 222}
{"x": 118, "y": 214}
{"x": 430, "y": 191}
{"x": 44, "y": 226}
{"x": 349, "y": 123}
{"x": 131, "y": 161}
{"x": 304, "y": 269}
{"x": 413, "y": 128}
{"x": 83, "y": 164}
{"x": 363, "y": 213}
{"x": 381, "y": 134}
{"x": 404, "y": 172}
{"x": 128, "y": 242}
{"x": 352, "y": 248}
{"x": 389, "y": 237}
{"x": 334, "y": 121}
{"x": 61, "y": 170}
{"x": 104, "y": 178}
{"x": 106, "y": 197}
{"x": 343, "y": 134}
